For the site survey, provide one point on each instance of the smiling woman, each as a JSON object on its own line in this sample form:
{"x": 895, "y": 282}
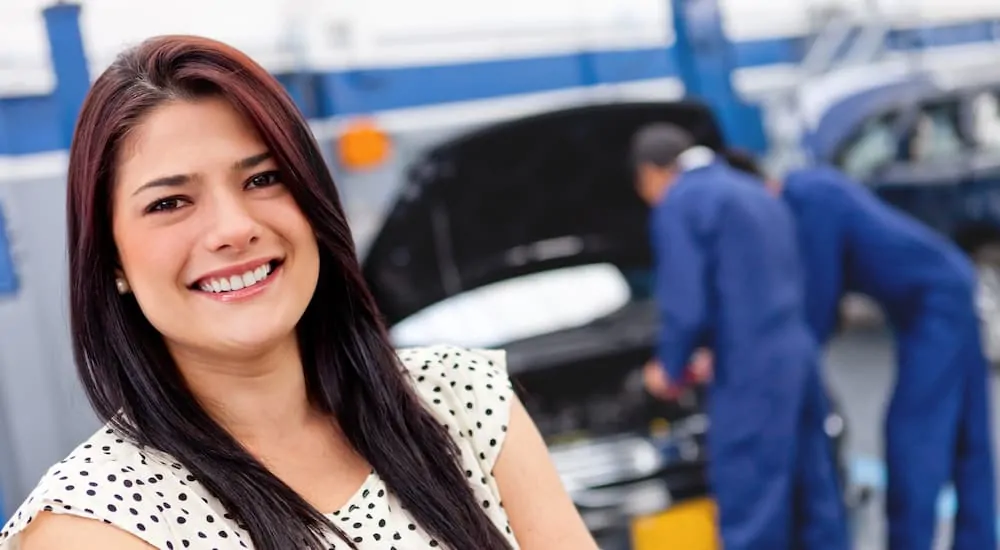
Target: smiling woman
{"x": 224, "y": 332}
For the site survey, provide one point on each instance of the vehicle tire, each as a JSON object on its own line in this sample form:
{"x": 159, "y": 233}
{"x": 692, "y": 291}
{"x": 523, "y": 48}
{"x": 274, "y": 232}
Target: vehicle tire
{"x": 987, "y": 260}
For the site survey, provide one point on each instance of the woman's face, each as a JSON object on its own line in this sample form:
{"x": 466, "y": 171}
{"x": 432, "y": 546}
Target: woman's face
{"x": 216, "y": 251}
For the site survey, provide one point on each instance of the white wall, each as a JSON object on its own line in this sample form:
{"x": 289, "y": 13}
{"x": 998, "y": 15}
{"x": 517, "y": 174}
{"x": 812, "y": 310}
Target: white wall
{"x": 395, "y": 32}
{"x": 913, "y": 12}
{"x": 44, "y": 411}
{"x": 336, "y": 33}
{"x": 258, "y": 27}
{"x": 24, "y": 49}
{"x": 339, "y": 33}
{"x": 756, "y": 19}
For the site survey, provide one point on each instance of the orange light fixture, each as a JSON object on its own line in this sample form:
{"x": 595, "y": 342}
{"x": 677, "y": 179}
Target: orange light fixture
{"x": 363, "y": 145}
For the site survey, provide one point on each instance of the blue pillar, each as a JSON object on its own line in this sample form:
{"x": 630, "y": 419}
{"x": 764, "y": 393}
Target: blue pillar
{"x": 69, "y": 62}
{"x": 8, "y": 278}
{"x": 705, "y": 60}
{"x": 587, "y": 63}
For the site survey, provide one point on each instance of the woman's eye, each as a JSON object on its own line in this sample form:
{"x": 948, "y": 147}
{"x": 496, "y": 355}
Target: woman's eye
{"x": 167, "y": 204}
{"x": 264, "y": 179}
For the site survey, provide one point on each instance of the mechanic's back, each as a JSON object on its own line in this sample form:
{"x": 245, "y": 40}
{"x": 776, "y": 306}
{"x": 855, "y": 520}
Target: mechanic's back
{"x": 752, "y": 261}
{"x": 869, "y": 247}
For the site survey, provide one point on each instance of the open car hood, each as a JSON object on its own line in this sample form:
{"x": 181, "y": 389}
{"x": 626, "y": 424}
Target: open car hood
{"x": 631, "y": 329}
{"x": 544, "y": 192}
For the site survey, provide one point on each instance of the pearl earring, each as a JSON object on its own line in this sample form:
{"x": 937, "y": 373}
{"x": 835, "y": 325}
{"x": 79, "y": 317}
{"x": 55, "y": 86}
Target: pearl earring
{"x": 122, "y": 285}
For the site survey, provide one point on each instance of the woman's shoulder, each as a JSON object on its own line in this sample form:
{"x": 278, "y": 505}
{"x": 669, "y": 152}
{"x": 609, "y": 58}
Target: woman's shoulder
{"x": 491, "y": 361}
{"x": 468, "y": 390}
{"x": 459, "y": 371}
{"x": 114, "y": 481}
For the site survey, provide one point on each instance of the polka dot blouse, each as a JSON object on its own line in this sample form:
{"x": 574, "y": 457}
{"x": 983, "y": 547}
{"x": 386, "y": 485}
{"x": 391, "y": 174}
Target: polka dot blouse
{"x": 150, "y": 495}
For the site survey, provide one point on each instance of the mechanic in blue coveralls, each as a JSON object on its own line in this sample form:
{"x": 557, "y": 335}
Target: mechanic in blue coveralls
{"x": 728, "y": 279}
{"x": 937, "y": 428}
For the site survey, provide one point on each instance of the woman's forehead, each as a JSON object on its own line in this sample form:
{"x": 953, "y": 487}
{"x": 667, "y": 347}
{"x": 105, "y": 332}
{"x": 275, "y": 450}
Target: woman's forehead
{"x": 186, "y": 137}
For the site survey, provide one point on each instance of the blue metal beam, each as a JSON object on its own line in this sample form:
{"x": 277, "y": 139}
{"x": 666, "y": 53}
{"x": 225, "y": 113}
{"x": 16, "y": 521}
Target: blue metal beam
{"x": 8, "y": 278}
{"x": 69, "y": 61}
{"x": 706, "y": 60}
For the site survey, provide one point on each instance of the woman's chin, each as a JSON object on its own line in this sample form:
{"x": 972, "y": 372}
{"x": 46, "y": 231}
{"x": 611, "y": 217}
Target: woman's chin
{"x": 256, "y": 343}
{"x": 238, "y": 344}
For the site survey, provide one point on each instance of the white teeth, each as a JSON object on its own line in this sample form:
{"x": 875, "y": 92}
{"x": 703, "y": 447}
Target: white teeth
{"x": 236, "y": 282}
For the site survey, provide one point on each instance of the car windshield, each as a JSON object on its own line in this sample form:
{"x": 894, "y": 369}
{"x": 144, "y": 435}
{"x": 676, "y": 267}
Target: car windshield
{"x": 873, "y": 146}
{"x": 519, "y": 308}
{"x": 936, "y": 135}
{"x": 986, "y": 120}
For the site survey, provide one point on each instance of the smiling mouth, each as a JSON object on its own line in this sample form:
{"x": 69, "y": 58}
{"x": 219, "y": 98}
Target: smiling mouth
{"x": 251, "y": 277}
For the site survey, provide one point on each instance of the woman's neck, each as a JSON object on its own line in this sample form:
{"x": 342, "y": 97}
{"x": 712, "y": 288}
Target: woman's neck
{"x": 255, "y": 398}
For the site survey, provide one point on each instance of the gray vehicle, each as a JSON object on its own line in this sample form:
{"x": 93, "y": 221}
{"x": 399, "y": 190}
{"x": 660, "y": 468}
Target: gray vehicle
{"x": 931, "y": 147}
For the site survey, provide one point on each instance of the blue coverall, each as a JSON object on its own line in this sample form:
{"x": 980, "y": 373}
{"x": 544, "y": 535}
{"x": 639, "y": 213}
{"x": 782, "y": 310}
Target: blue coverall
{"x": 728, "y": 278}
{"x": 937, "y": 427}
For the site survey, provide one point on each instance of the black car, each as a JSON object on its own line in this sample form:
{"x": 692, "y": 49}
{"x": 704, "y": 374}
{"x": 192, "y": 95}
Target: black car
{"x": 539, "y": 194}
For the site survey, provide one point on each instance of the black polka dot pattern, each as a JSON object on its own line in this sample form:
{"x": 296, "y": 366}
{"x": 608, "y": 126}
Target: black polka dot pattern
{"x": 153, "y": 497}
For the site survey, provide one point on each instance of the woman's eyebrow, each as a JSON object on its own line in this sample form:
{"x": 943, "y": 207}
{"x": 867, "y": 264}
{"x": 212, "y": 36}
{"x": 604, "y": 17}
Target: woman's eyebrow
{"x": 166, "y": 181}
{"x": 180, "y": 179}
{"x": 251, "y": 161}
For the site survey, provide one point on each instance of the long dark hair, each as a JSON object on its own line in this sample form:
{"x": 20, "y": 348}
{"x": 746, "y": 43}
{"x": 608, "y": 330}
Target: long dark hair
{"x": 351, "y": 368}
{"x": 742, "y": 161}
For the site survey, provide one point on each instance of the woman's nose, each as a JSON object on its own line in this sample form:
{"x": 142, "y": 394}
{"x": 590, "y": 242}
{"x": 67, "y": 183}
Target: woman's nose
{"x": 233, "y": 225}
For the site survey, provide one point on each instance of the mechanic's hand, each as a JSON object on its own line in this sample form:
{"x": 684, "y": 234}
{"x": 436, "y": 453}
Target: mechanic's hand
{"x": 702, "y": 367}
{"x": 657, "y": 382}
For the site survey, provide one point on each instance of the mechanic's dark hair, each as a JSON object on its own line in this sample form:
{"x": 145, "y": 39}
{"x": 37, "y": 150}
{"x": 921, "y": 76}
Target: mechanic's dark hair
{"x": 742, "y": 161}
{"x": 351, "y": 369}
{"x": 659, "y": 143}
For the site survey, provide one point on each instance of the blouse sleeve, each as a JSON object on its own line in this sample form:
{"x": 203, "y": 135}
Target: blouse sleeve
{"x": 99, "y": 491}
{"x": 469, "y": 391}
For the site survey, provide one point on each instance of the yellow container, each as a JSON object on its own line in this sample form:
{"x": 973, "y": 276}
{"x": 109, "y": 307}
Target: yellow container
{"x": 690, "y": 525}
